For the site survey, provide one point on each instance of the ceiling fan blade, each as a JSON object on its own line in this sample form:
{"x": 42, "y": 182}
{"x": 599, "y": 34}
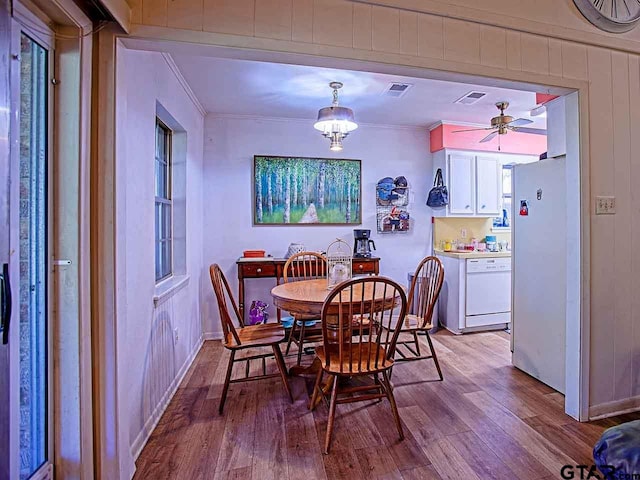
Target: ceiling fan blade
{"x": 473, "y": 130}
{"x": 520, "y": 122}
{"x": 489, "y": 137}
{"x": 534, "y": 131}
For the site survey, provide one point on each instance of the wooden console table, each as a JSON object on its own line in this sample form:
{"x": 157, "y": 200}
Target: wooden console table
{"x": 274, "y": 268}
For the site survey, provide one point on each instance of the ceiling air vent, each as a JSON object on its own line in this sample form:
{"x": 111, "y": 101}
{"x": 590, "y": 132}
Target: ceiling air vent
{"x": 396, "y": 89}
{"x": 471, "y": 98}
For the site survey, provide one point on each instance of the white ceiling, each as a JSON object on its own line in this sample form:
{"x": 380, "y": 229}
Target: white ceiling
{"x": 247, "y": 87}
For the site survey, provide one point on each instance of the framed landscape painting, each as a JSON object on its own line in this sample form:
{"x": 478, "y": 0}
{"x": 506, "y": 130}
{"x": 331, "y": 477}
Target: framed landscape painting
{"x": 306, "y": 191}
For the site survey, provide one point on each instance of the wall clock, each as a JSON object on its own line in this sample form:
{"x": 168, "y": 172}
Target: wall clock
{"x": 615, "y": 16}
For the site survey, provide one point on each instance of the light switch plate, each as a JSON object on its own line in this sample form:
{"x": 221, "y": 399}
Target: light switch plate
{"x": 605, "y": 205}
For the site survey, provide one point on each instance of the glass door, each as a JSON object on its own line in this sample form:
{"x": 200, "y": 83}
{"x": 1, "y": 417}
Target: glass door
{"x": 5, "y": 291}
{"x": 29, "y": 365}
{"x": 32, "y": 283}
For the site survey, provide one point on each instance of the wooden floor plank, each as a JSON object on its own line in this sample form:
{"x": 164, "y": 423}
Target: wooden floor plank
{"x": 304, "y": 458}
{"x": 343, "y": 464}
{"x": 406, "y": 453}
{"x": 525, "y": 466}
{"x": 236, "y": 450}
{"x": 421, "y": 473}
{"x": 546, "y": 453}
{"x": 422, "y": 428}
{"x": 448, "y": 462}
{"x": 270, "y": 452}
{"x": 571, "y": 445}
{"x": 236, "y": 474}
{"x": 487, "y": 419}
{"x": 377, "y": 463}
{"x": 484, "y": 462}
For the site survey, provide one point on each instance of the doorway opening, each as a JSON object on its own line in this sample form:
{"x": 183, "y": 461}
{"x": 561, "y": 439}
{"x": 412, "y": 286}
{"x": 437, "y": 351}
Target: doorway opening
{"x": 264, "y": 103}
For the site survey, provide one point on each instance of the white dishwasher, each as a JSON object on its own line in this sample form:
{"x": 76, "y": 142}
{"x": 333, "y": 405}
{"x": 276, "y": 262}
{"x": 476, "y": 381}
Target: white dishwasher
{"x": 488, "y": 292}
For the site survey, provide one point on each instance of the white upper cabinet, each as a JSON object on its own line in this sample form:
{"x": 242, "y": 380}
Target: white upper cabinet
{"x": 474, "y": 183}
{"x": 461, "y": 185}
{"x": 488, "y": 192}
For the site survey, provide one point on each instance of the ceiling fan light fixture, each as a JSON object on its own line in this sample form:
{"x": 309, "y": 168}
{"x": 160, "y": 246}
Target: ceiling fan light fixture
{"x": 335, "y": 122}
{"x": 502, "y": 124}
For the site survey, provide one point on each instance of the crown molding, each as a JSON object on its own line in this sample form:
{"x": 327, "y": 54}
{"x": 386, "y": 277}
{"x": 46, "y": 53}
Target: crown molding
{"x": 183, "y": 82}
{"x": 459, "y": 124}
{"x": 310, "y": 121}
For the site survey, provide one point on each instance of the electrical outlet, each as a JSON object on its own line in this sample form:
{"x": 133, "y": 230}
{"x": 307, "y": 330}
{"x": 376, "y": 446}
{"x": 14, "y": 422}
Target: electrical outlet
{"x": 605, "y": 205}
{"x": 175, "y": 335}
{"x": 463, "y": 233}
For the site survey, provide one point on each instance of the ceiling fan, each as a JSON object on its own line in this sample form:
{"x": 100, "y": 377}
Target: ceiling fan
{"x": 503, "y": 123}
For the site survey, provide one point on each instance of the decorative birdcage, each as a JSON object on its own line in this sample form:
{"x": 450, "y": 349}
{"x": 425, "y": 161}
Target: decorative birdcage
{"x": 339, "y": 258}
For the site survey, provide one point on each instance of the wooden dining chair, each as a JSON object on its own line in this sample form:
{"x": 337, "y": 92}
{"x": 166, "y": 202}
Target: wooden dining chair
{"x": 304, "y": 266}
{"x": 244, "y": 337}
{"x": 423, "y": 294}
{"x": 355, "y": 349}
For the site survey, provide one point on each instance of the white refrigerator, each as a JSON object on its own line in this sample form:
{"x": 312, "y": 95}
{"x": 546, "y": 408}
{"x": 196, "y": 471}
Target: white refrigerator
{"x": 538, "y": 314}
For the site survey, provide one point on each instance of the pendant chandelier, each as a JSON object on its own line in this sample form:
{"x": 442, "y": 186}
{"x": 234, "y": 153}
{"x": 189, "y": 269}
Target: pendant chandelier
{"x": 335, "y": 122}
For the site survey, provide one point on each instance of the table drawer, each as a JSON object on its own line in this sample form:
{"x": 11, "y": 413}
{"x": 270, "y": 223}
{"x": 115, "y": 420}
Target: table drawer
{"x": 256, "y": 270}
{"x": 360, "y": 267}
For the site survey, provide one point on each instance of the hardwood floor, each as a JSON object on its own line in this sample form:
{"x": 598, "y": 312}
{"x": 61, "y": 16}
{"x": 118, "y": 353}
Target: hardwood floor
{"x": 487, "y": 420}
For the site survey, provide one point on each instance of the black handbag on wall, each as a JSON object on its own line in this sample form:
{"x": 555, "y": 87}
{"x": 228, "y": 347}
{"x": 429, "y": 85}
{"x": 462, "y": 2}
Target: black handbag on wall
{"x": 438, "y": 195}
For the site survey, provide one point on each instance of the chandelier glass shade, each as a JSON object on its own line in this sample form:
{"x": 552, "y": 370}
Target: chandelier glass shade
{"x": 335, "y": 122}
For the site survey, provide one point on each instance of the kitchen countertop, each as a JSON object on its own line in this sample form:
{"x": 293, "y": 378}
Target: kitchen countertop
{"x": 457, "y": 254}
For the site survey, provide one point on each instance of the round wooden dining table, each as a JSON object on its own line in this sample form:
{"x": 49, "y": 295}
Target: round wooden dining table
{"x": 306, "y": 297}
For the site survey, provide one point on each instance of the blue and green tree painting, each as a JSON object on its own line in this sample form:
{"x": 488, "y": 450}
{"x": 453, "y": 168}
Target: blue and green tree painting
{"x": 306, "y": 191}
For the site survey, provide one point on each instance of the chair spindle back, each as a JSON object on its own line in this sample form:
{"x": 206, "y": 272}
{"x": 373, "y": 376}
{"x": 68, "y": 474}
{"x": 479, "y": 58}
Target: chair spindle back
{"x": 305, "y": 266}
{"x": 425, "y": 289}
{"x": 357, "y": 317}
{"x": 222, "y": 291}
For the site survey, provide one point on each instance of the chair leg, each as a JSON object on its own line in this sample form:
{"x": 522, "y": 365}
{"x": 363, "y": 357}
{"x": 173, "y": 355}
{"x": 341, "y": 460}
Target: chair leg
{"x": 283, "y": 369}
{"x": 332, "y": 414}
{"x": 227, "y": 379}
{"x": 433, "y": 353}
{"x": 415, "y": 338}
{"x": 291, "y": 334}
{"x": 376, "y": 380}
{"x": 316, "y": 390}
{"x": 301, "y": 343}
{"x": 392, "y": 401}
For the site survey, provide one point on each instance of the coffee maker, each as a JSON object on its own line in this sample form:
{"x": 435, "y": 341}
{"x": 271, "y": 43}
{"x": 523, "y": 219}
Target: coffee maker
{"x": 362, "y": 243}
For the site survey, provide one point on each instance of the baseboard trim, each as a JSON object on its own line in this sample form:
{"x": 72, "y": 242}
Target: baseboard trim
{"x": 154, "y": 418}
{"x": 212, "y": 335}
{"x": 617, "y": 407}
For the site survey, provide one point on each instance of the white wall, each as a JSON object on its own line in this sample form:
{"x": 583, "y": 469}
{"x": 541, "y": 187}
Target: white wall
{"x": 149, "y": 361}
{"x": 231, "y": 143}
